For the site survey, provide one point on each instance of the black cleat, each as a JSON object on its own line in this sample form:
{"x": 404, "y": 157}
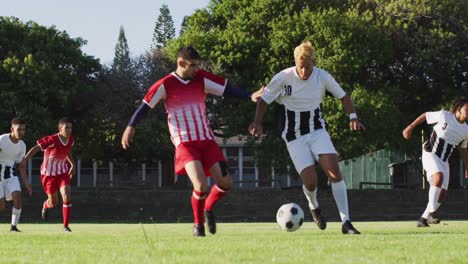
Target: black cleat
{"x": 348, "y": 228}
{"x": 210, "y": 221}
{"x": 199, "y": 230}
{"x": 318, "y": 218}
{"x": 422, "y": 222}
{"x": 14, "y": 229}
{"x": 433, "y": 219}
{"x": 66, "y": 229}
{"x": 45, "y": 214}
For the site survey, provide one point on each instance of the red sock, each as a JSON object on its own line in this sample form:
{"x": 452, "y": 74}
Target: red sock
{"x": 66, "y": 211}
{"x": 216, "y": 194}
{"x": 46, "y": 204}
{"x": 198, "y": 203}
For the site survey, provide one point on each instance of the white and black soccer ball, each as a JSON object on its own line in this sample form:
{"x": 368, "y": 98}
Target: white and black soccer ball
{"x": 290, "y": 217}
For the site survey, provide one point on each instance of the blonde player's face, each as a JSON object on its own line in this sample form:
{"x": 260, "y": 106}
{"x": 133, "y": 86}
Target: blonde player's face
{"x": 304, "y": 68}
{"x": 17, "y": 131}
{"x": 65, "y": 130}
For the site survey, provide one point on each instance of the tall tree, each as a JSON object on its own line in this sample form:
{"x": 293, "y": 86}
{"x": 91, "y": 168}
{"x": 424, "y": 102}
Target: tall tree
{"x": 122, "y": 62}
{"x": 42, "y": 72}
{"x": 164, "y": 28}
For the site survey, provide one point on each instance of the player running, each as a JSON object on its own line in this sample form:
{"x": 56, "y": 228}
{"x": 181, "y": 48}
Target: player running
{"x": 301, "y": 89}
{"x": 55, "y": 173}
{"x": 450, "y": 130}
{"x": 12, "y": 150}
{"x": 197, "y": 154}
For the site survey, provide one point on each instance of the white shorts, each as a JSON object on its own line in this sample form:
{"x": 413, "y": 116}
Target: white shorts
{"x": 433, "y": 164}
{"x": 305, "y": 150}
{"x": 8, "y": 186}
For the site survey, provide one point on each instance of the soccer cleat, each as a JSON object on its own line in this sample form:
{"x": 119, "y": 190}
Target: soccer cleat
{"x": 422, "y": 222}
{"x": 348, "y": 228}
{"x": 14, "y": 229}
{"x": 210, "y": 221}
{"x": 45, "y": 214}
{"x": 318, "y": 218}
{"x": 199, "y": 230}
{"x": 433, "y": 219}
{"x": 66, "y": 229}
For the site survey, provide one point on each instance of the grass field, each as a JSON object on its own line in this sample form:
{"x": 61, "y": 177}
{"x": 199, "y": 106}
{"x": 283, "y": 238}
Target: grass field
{"x": 381, "y": 242}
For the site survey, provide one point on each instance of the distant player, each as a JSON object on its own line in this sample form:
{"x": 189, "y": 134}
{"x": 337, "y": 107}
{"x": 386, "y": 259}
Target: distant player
{"x": 197, "y": 154}
{"x": 301, "y": 89}
{"x": 12, "y": 150}
{"x": 55, "y": 173}
{"x": 450, "y": 131}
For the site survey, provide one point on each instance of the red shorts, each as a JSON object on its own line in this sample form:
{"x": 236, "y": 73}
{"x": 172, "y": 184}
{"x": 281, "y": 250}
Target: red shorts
{"x": 52, "y": 184}
{"x": 206, "y": 151}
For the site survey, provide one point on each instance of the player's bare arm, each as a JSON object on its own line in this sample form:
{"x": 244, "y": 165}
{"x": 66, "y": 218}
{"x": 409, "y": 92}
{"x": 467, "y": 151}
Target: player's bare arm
{"x": 409, "y": 129}
{"x": 348, "y": 105}
{"x": 31, "y": 153}
{"x": 257, "y": 94}
{"x": 255, "y": 127}
{"x": 71, "y": 160}
{"x": 24, "y": 176}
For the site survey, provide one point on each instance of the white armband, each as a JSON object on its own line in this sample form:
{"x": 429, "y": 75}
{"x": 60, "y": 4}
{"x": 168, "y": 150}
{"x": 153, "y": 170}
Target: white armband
{"x": 352, "y": 116}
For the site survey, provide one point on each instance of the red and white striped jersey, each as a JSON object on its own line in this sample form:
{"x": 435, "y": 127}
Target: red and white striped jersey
{"x": 185, "y": 104}
{"x": 55, "y": 154}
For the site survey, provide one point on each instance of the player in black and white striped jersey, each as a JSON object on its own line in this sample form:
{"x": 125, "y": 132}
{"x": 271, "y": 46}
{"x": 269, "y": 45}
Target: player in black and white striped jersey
{"x": 301, "y": 89}
{"x": 450, "y": 131}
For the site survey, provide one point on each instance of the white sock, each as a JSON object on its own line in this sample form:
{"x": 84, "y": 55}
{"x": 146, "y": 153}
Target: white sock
{"x": 15, "y": 216}
{"x": 311, "y": 197}
{"x": 341, "y": 199}
{"x": 426, "y": 212}
{"x": 433, "y": 198}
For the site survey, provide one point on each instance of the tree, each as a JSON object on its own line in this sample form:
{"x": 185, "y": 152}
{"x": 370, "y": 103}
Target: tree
{"x": 164, "y": 28}
{"x": 122, "y": 62}
{"x": 42, "y": 71}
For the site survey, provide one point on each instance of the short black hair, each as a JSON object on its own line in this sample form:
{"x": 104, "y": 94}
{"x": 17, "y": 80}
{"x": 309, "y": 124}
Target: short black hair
{"x": 188, "y": 53}
{"x": 18, "y": 121}
{"x": 64, "y": 120}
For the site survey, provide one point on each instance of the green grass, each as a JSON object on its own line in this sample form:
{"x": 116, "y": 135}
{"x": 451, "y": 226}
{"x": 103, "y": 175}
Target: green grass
{"x": 381, "y": 242}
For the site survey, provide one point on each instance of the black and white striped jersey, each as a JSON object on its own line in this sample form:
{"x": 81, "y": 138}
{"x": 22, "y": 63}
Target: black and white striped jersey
{"x": 301, "y": 99}
{"x": 448, "y": 133}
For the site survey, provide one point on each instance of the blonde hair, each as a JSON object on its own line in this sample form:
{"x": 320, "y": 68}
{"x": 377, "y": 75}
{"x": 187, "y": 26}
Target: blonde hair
{"x": 304, "y": 51}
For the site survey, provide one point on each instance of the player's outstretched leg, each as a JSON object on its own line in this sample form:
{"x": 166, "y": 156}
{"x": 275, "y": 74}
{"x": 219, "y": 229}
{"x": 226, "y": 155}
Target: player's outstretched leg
{"x": 348, "y": 228}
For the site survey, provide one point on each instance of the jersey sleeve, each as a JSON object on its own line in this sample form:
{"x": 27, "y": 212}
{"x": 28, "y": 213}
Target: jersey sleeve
{"x": 433, "y": 117}
{"x": 332, "y": 86}
{"x": 46, "y": 142}
{"x": 155, "y": 93}
{"x": 214, "y": 84}
{"x": 274, "y": 89}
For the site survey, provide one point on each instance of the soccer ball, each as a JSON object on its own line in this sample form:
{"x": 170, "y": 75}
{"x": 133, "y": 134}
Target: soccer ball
{"x": 290, "y": 217}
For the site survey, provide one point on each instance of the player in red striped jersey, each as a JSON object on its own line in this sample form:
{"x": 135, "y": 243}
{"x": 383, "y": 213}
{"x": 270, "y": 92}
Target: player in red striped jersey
{"x": 55, "y": 172}
{"x": 197, "y": 154}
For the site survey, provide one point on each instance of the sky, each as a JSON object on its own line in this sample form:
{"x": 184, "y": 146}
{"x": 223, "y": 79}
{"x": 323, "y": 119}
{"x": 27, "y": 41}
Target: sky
{"x": 99, "y": 21}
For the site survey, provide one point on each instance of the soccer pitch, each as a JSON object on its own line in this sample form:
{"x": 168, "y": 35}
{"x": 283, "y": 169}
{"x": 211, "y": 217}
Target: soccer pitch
{"x": 381, "y": 242}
